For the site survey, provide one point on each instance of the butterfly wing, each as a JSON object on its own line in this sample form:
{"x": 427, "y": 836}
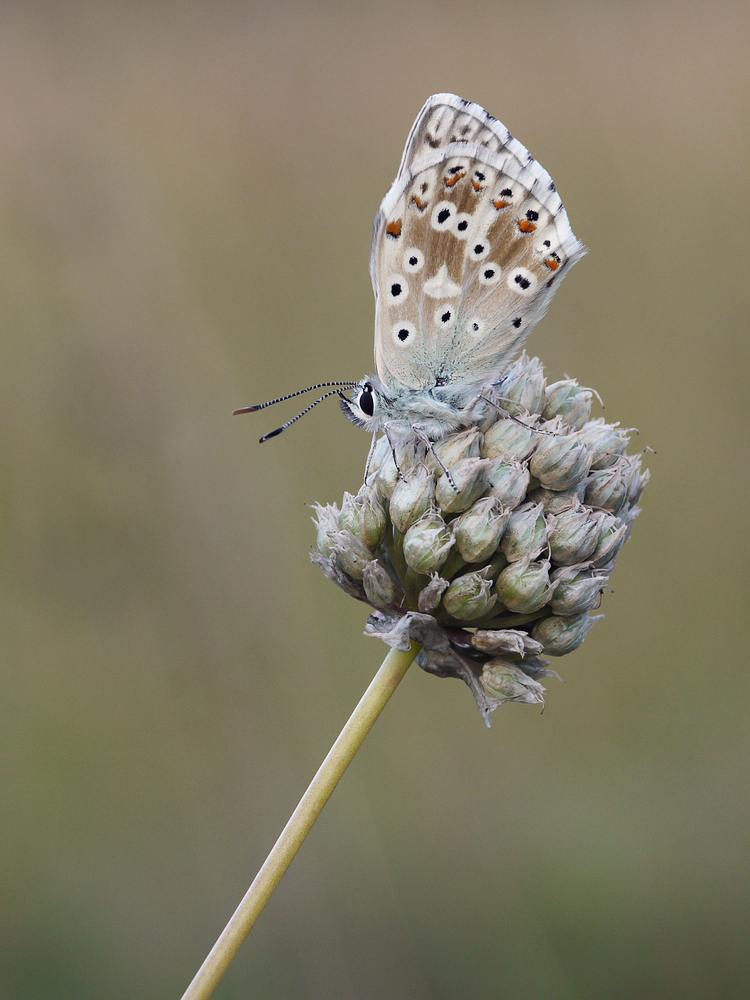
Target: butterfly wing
{"x": 468, "y": 248}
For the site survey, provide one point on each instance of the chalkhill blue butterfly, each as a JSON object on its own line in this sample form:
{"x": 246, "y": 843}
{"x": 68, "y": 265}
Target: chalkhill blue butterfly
{"x": 468, "y": 247}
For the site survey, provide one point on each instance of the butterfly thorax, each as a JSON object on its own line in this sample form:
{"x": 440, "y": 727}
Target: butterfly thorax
{"x": 436, "y": 411}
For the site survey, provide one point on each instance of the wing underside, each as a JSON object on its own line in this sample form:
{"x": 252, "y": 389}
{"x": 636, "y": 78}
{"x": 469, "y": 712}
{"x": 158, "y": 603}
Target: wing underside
{"x": 468, "y": 248}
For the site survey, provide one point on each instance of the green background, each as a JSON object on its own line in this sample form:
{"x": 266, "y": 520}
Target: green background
{"x": 186, "y": 199}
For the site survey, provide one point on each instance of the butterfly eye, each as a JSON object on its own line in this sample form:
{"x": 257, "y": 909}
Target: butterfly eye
{"x": 366, "y": 401}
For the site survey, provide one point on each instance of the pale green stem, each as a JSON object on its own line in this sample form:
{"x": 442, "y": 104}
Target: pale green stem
{"x": 361, "y": 721}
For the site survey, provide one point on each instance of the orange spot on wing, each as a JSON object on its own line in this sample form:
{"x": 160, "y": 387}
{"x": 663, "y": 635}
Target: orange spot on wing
{"x": 525, "y": 226}
{"x": 421, "y": 205}
{"x": 500, "y": 203}
{"x": 551, "y": 263}
{"x": 476, "y": 185}
{"x": 394, "y": 229}
{"x": 454, "y": 179}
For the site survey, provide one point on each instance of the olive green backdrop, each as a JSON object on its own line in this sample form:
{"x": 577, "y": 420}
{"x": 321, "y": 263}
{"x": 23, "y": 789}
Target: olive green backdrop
{"x": 186, "y": 197}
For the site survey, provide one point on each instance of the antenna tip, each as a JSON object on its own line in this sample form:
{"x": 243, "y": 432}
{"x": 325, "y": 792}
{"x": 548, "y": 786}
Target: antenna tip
{"x": 245, "y": 409}
{"x": 271, "y": 434}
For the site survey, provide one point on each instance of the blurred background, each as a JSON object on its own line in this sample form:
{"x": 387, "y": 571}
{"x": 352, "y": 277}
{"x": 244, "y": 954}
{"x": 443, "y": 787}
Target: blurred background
{"x": 186, "y": 199}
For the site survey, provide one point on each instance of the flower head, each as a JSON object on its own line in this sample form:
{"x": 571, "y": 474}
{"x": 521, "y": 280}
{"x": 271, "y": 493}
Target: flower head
{"x": 491, "y": 546}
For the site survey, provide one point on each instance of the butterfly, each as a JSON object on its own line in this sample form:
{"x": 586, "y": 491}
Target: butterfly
{"x": 468, "y": 247}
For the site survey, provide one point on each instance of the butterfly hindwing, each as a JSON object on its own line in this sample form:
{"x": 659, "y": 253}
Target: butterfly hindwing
{"x": 468, "y": 248}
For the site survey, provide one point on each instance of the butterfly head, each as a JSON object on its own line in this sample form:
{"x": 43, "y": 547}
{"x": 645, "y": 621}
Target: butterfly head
{"x": 369, "y": 406}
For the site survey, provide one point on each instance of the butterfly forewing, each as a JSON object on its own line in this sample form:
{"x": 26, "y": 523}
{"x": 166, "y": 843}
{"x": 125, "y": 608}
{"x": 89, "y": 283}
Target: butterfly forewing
{"x": 468, "y": 248}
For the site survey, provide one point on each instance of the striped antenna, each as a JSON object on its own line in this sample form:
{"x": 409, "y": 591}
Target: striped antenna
{"x": 299, "y": 392}
{"x": 271, "y": 434}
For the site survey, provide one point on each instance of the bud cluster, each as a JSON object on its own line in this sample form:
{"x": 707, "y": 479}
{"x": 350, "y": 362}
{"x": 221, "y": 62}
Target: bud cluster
{"x": 492, "y": 546}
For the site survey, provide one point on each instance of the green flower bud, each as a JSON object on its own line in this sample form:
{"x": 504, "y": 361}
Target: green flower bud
{"x": 381, "y": 591}
{"x": 569, "y": 401}
{"x": 427, "y": 543}
{"x": 638, "y": 481}
{"x": 509, "y": 439}
{"x": 364, "y": 515}
{"x": 560, "y": 462}
{"x": 608, "y": 488}
{"x": 508, "y": 481}
{"x": 526, "y": 533}
{"x": 610, "y": 539}
{"x": 453, "y": 448}
{"x": 562, "y": 635}
{"x": 380, "y": 453}
{"x": 521, "y": 389}
{"x": 387, "y": 477}
{"x": 606, "y": 442}
{"x": 501, "y": 681}
{"x": 469, "y": 482}
{"x": 387, "y": 472}
{"x": 627, "y": 515}
{"x": 556, "y": 501}
{"x": 469, "y": 597}
{"x": 505, "y": 640}
{"x": 431, "y": 595}
{"x": 352, "y": 555}
{"x": 613, "y": 539}
{"x": 479, "y": 529}
{"x": 577, "y": 590}
{"x": 575, "y": 534}
{"x": 412, "y": 497}
{"x": 326, "y": 520}
{"x": 525, "y": 586}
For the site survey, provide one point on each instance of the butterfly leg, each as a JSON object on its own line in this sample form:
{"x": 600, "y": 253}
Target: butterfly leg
{"x": 421, "y": 436}
{"x": 509, "y": 416}
{"x": 393, "y": 450}
{"x": 370, "y": 453}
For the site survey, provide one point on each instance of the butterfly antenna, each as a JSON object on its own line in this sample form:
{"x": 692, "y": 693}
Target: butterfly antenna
{"x": 307, "y": 409}
{"x": 299, "y": 392}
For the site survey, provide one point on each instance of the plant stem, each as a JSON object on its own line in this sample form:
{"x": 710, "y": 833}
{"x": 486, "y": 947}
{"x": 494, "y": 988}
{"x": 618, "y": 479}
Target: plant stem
{"x": 361, "y": 721}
